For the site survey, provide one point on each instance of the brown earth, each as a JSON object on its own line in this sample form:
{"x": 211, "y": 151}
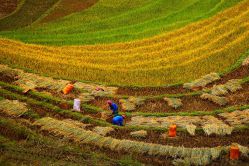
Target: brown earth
{"x": 225, "y": 161}
{"x": 184, "y": 139}
{"x": 241, "y": 97}
{"x": 5, "y": 131}
{"x": 145, "y": 158}
{"x": 7, "y": 6}
{"x": 41, "y": 150}
{"x": 8, "y": 76}
{"x": 190, "y": 103}
{"x": 239, "y": 73}
{"x": 67, "y": 7}
{"x": 150, "y": 91}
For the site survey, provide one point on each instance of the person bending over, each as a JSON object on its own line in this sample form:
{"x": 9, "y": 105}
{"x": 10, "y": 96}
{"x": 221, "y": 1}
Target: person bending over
{"x": 113, "y": 107}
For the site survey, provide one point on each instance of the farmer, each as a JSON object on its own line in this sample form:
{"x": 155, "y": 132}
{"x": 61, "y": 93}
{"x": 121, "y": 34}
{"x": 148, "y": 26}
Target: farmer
{"x": 113, "y": 107}
{"x": 118, "y": 120}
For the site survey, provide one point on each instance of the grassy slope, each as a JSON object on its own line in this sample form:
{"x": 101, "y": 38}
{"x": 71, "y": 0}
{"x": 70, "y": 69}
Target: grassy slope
{"x": 27, "y": 13}
{"x": 144, "y": 21}
{"x": 149, "y": 11}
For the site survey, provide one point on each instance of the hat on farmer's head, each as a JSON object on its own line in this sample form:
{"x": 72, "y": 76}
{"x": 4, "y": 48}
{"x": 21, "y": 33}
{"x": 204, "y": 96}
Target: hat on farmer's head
{"x": 109, "y": 102}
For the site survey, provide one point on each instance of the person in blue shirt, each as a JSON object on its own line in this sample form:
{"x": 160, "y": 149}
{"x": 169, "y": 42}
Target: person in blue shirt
{"x": 113, "y": 107}
{"x": 118, "y": 120}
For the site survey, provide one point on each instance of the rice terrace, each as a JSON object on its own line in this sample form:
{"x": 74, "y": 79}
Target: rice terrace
{"x": 124, "y": 82}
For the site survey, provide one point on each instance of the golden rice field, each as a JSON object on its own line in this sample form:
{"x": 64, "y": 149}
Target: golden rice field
{"x": 210, "y": 45}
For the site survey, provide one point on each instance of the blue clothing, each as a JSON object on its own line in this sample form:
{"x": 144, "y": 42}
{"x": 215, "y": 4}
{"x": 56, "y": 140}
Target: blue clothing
{"x": 114, "y": 108}
{"x": 118, "y": 120}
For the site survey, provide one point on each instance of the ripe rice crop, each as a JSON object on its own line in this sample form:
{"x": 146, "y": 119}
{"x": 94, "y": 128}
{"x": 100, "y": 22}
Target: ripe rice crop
{"x": 179, "y": 56}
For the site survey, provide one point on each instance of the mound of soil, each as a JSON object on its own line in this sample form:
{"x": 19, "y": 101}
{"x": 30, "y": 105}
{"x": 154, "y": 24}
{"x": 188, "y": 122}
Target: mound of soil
{"x": 8, "y": 76}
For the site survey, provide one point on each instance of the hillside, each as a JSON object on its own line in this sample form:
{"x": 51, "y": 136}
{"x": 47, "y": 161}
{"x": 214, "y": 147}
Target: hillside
{"x": 121, "y": 21}
{"x": 124, "y": 82}
{"x": 168, "y": 58}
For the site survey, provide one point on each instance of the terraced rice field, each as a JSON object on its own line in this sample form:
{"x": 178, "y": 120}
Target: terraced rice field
{"x": 218, "y": 43}
{"x": 163, "y": 62}
{"x": 123, "y": 20}
{"x": 25, "y": 14}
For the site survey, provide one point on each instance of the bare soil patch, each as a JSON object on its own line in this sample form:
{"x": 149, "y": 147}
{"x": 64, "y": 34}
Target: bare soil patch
{"x": 190, "y": 103}
{"x": 7, "y": 6}
{"x": 67, "y": 7}
{"x": 8, "y": 76}
{"x": 184, "y": 139}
